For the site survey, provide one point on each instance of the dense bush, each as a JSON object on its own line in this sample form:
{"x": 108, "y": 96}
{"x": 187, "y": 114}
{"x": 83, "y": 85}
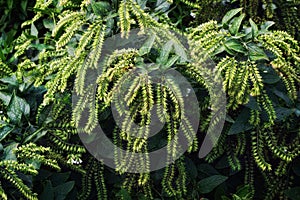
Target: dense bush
{"x": 47, "y": 57}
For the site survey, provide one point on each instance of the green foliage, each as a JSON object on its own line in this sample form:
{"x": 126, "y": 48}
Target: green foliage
{"x": 140, "y": 97}
{"x": 244, "y": 59}
{"x": 15, "y": 127}
{"x": 24, "y": 159}
{"x": 10, "y": 29}
{"x": 9, "y": 20}
{"x": 87, "y": 27}
{"x": 94, "y": 173}
{"x": 55, "y": 185}
{"x": 284, "y": 13}
{"x": 243, "y": 193}
{"x": 249, "y": 66}
{"x": 208, "y": 184}
{"x": 41, "y": 153}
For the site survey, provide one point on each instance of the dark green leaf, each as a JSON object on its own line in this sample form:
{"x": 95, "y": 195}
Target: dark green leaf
{"x": 256, "y": 53}
{"x": 2, "y": 57}
{"x": 162, "y": 5}
{"x": 48, "y": 193}
{"x": 191, "y": 168}
{"x": 267, "y": 25}
{"x": 61, "y": 191}
{"x": 241, "y": 124}
{"x": 152, "y": 67}
{"x": 235, "y": 45}
{"x": 145, "y": 49}
{"x": 229, "y": 119}
{"x": 5, "y": 98}
{"x": 33, "y": 30}
{"x": 270, "y": 77}
{"x": 244, "y": 191}
{"x": 43, "y": 115}
{"x": 10, "y": 37}
{"x": 142, "y": 3}
{"x": 16, "y": 108}
{"x": 209, "y": 184}
{"x": 296, "y": 167}
{"x": 59, "y": 178}
{"x": 283, "y": 96}
{"x": 230, "y": 14}
{"x": 252, "y": 104}
{"x": 219, "y": 50}
{"x": 9, "y": 151}
{"x": 207, "y": 169}
{"x": 100, "y": 8}
{"x": 23, "y": 6}
{"x": 10, "y": 4}
{"x": 124, "y": 194}
{"x": 229, "y": 51}
{"x": 171, "y": 62}
{"x": 222, "y": 163}
{"x": 254, "y": 28}
{"x": 48, "y": 23}
{"x": 41, "y": 47}
{"x": 12, "y": 80}
{"x": 293, "y": 193}
{"x": 36, "y": 135}
{"x": 165, "y": 51}
{"x": 236, "y": 24}
{"x": 181, "y": 52}
{"x": 4, "y": 131}
{"x": 282, "y": 113}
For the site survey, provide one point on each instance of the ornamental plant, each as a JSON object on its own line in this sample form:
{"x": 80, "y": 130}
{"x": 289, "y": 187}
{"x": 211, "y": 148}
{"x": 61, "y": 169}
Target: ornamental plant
{"x": 254, "y": 61}
{"x": 58, "y": 53}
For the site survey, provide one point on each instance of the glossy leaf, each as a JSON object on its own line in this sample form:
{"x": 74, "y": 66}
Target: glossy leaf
{"x": 62, "y": 190}
{"x": 256, "y": 53}
{"x": 241, "y": 124}
{"x": 165, "y": 51}
{"x": 207, "y": 169}
{"x": 191, "y": 168}
{"x": 171, "y": 62}
{"x": 181, "y": 52}
{"x": 270, "y": 77}
{"x": 5, "y": 131}
{"x": 252, "y": 104}
{"x": 236, "y": 24}
{"x": 254, "y": 28}
{"x": 147, "y": 45}
{"x": 16, "y": 108}
{"x": 48, "y": 23}
{"x": 235, "y": 45}
{"x": 12, "y": 80}
{"x": 5, "y": 98}
{"x": 230, "y": 14}
{"x": 209, "y": 184}
{"x": 33, "y": 30}
{"x": 9, "y": 151}
{"x": 244, "y": 192}
{"x": 266, "y": 25}
{"x": 100, "y": 8}
{"x": 282, "y": 113}
{"x": 162, "y": 5}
